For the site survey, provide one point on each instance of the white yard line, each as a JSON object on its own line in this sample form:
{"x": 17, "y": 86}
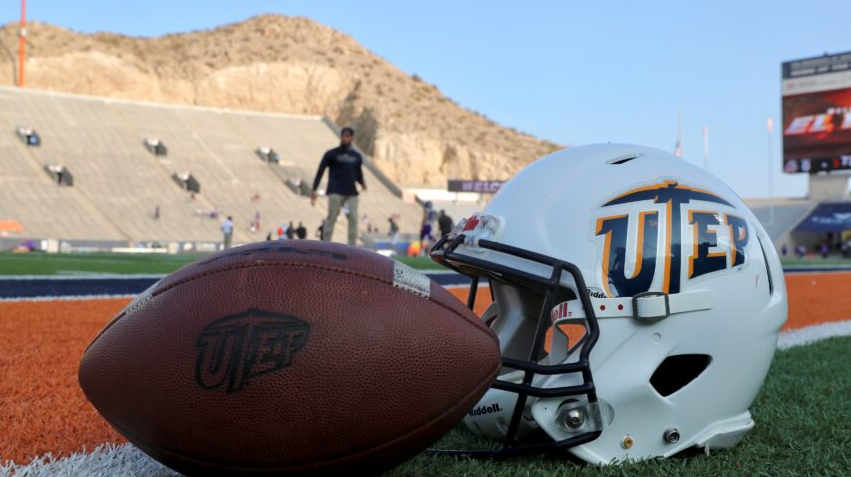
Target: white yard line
{"x": 87, "y": 276}
{"x": 106, "y": 459}
{"x": 66, "y": 298}
{"x": 813, "y": 334}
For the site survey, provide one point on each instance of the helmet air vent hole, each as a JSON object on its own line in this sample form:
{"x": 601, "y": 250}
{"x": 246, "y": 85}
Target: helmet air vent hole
{"x": 677, "y": 371}
{"x": 623, "y": 159}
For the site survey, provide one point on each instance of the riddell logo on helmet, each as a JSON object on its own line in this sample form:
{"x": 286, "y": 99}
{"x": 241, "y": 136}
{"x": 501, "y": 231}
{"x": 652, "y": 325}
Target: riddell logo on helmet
{"x": 713, "y": 241}
{"x": 482, "y": 410}
{"x": 238, "y": 348}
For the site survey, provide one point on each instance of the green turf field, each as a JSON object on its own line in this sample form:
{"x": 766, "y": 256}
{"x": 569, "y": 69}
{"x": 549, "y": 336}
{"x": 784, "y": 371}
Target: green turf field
{"x": 817, "y": 262}
{"x": 93, "y": 263}
{"x": 420, "y": 263}
{"x": 90, "y": 263}
{"x": 122, "y": 263}
{"x": 803, "y": 427}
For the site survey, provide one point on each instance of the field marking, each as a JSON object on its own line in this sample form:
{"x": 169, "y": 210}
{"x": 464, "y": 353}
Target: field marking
{"x": 813, "y": 334}
{"x": 106, "y": 459}
{"x": 67, "y": 298}
{"x": 97, "y": 276}
{"x": 81, "y": 258}
{"x": 822, "y": 271}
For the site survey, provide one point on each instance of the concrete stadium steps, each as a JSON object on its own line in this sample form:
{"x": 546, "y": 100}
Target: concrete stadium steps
{"x": 30, "y": 197}
{"x": 48, "y": 211}
{"x": 202, "y": 143}
{"x": 780, "y": 216}
{"x": 118, "y": 183}
{"x": 111, "y": 168}
{"x": 16, "y": 165}
{"x": 301, "y": 145}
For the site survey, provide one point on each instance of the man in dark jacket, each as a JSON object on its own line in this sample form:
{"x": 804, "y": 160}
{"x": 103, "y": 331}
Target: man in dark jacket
{"x": 444, "y": 222}
{"x": 344, "y": 169}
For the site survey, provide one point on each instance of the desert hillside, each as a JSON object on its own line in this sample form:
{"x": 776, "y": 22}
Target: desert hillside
{"x": 415, "y": 134}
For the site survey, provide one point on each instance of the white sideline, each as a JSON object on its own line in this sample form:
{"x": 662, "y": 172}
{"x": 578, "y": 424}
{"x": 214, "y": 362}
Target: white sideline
{"x": 813, "y": 334}
{"x": 127, "y": 460}
{"x": 107, "y": 459}
{"x": 85, "y": 276}
{"x": 66, "y": 298}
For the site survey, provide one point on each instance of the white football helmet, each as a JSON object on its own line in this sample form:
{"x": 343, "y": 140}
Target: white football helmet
{"x": 637, "y": 302}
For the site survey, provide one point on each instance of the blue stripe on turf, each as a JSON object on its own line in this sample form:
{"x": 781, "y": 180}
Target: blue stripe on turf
{"x": 58, "y": 286}
{"x": 36, "y": 287}
{"x": 32, "y": 287}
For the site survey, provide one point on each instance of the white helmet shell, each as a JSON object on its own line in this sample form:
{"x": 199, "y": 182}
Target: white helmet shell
{"x": 685, "y": 286}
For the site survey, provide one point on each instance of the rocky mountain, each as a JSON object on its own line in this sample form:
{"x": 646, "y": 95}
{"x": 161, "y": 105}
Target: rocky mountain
{"x": 415, "y": 134}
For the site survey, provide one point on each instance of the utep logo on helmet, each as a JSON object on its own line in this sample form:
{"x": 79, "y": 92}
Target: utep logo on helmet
{"x": 240, "y": 347}
{"x": 659, "y": 238}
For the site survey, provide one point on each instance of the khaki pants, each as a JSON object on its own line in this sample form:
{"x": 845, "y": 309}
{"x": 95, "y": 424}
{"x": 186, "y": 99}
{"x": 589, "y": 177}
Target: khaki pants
{"x": 335, "y": 203}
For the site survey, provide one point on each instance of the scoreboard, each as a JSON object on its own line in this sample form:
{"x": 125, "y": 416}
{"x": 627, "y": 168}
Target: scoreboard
{"x": 817, "y": 114}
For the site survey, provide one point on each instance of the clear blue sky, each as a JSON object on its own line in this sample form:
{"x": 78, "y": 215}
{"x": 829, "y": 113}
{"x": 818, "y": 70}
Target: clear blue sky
{"x": 571, "y": 72}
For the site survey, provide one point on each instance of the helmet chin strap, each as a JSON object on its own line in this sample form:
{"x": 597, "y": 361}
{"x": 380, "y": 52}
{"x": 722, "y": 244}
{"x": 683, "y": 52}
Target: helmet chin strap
{"x": 646, "y": 307}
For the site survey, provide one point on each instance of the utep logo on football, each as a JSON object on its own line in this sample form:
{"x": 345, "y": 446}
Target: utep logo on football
{"x": 660, "y": 241}
{"x": 238, "y": 348}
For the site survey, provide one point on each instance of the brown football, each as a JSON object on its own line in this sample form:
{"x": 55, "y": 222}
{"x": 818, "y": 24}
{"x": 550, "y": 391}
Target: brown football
{"x": 289, "y": 357}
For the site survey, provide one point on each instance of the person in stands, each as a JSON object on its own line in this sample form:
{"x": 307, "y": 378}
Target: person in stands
{"x": 426, "y": 227}
{"x": 227, "y": 231}
{"x": 444, "y": 223}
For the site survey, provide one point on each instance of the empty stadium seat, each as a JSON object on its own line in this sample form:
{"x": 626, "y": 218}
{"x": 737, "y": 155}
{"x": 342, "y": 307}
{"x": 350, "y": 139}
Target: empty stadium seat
{"x": 60, "y": 174}
{"x": 187, "y": 182}
{"x": 155, "y": 147}
{"x": 268, "y": 154}
{"x": 29, "y": 136}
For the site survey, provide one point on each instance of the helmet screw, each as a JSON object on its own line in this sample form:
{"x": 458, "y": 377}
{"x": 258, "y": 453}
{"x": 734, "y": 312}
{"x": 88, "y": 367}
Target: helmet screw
{"x": 575, "y": 418}
{"x": 671, "y": 435}
{"x": 627, "y": 441}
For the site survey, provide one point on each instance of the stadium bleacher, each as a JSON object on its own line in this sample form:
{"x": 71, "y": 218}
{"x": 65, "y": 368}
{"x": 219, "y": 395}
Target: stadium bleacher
{"x": 30, "y": 197}
{"x": 780, "y": 216}
{"x": 119, "y": 184}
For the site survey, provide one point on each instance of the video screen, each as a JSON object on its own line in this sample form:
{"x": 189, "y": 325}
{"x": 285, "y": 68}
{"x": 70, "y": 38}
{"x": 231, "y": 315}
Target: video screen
{"x": 817, "y": 114}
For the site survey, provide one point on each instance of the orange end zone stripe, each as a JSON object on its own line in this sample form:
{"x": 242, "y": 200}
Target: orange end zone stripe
{"x": 43, "y": 408}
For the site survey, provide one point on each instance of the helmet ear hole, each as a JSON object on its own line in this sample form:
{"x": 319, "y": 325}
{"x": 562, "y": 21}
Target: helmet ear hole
{"x": 677, "y": 371}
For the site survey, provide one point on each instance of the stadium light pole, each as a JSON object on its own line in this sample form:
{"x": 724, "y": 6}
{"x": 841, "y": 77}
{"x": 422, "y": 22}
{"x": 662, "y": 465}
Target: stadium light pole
{"x": 22, "y": 41}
